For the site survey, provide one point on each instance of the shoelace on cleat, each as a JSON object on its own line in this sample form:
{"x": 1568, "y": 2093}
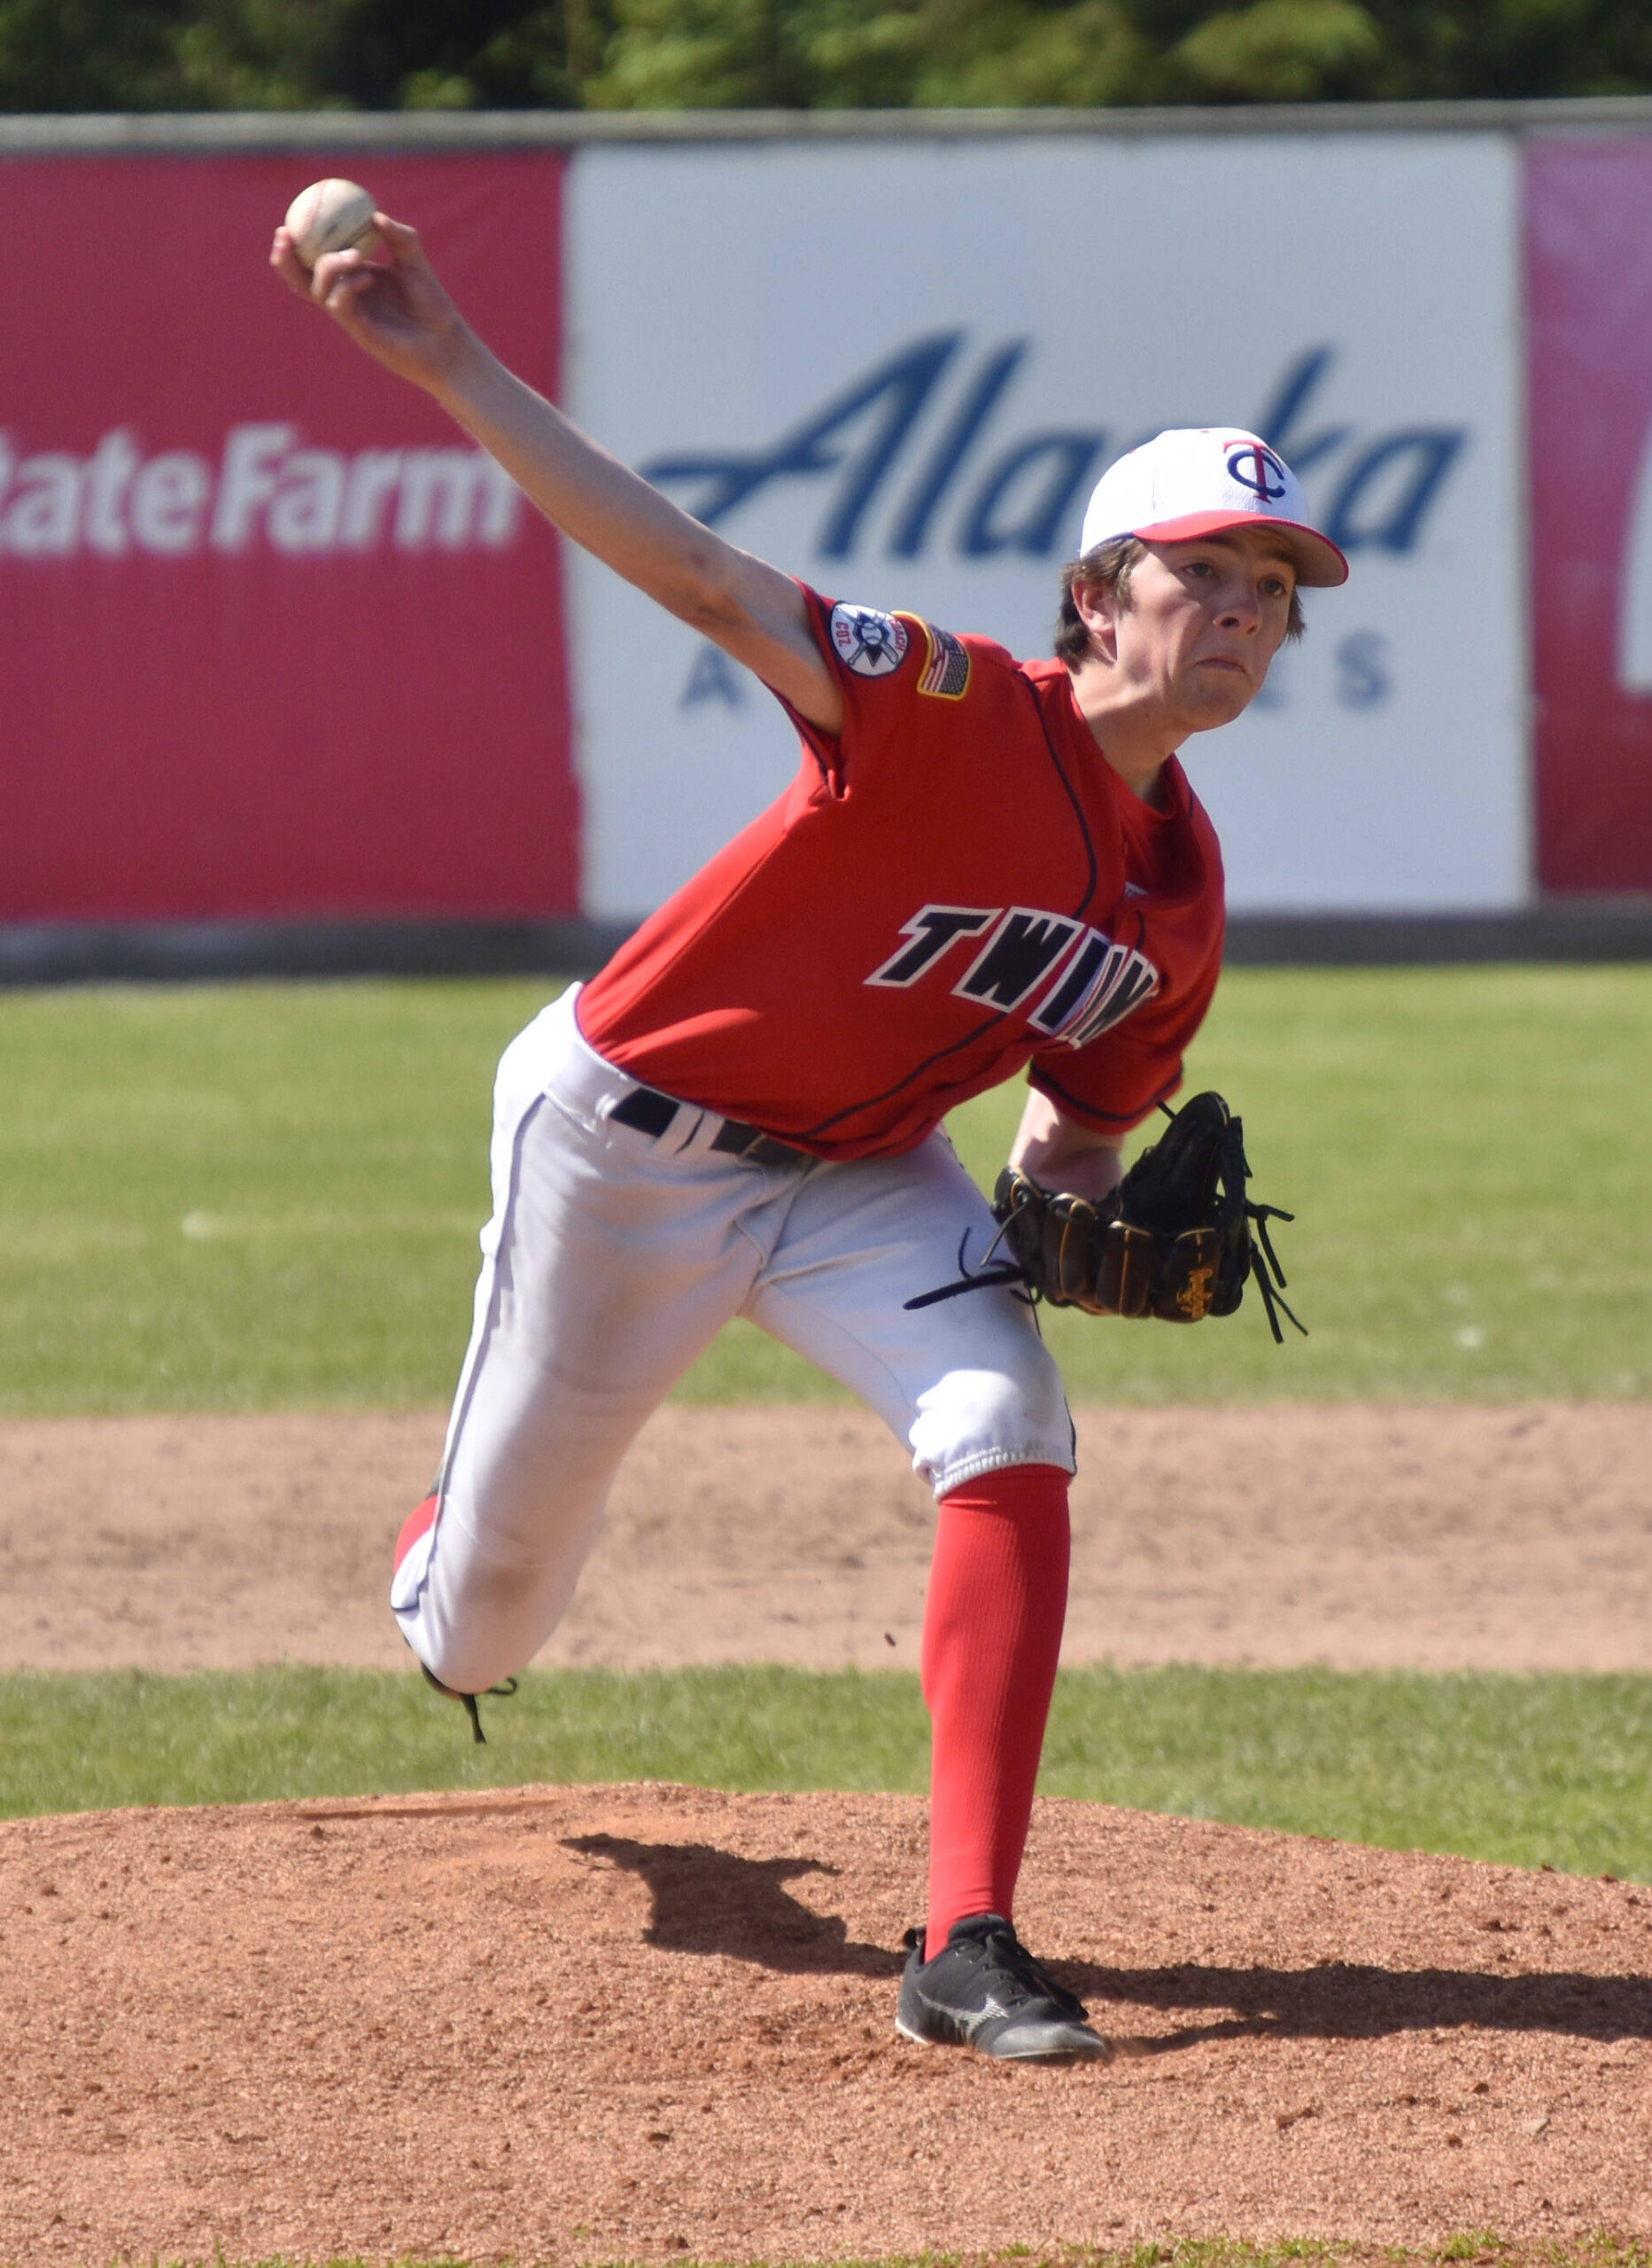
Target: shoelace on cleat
{"x": 1027, "y": 1972}
{"x": 1031, "y": 1973}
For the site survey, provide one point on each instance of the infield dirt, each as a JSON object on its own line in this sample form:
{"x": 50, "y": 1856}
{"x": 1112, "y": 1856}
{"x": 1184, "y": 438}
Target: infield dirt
{"x": 1428, "y": 1535}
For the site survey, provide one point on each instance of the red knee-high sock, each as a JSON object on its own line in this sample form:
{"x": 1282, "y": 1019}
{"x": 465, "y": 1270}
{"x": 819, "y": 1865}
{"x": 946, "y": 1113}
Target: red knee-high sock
{"x": 992, "y": 1633}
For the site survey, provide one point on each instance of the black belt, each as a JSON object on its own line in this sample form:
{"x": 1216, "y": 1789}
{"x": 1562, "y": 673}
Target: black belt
{"x": 650, "y": 1112}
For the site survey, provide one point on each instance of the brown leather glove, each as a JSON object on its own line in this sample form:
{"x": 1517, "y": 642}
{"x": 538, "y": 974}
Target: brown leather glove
{"x": 1175, "y": 1239}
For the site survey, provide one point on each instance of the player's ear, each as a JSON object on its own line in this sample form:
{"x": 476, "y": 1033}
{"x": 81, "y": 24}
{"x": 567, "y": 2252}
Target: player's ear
{"x": 1095, "y": 604}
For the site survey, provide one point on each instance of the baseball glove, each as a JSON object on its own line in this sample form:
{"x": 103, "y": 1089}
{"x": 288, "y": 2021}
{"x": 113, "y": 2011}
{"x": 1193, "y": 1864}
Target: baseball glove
{"x": 1177, "y": 1240}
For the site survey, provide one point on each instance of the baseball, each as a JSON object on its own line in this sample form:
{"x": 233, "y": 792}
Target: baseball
{"x": 331, "y": 216}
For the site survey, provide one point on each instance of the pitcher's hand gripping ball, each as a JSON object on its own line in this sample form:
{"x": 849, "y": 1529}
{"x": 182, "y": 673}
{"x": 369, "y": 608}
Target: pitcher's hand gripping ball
{"x": 1174, "y": 1240}
{"x": 331, "y": 215}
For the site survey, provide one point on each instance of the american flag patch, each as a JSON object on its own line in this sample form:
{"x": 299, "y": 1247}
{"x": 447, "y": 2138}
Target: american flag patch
{"x": 946, "y": 669}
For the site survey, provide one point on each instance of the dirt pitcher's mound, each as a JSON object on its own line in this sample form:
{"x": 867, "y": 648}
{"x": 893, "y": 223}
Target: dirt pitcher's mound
{"x": 641, "y": 2023}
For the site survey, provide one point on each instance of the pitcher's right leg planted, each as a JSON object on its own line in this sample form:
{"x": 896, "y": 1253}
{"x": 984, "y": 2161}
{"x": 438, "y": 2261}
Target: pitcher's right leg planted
{"x": 608, "y": 1266}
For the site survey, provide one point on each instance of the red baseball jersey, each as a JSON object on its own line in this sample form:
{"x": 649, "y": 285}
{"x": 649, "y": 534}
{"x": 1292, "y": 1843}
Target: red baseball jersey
{"x": 959, "y": 885}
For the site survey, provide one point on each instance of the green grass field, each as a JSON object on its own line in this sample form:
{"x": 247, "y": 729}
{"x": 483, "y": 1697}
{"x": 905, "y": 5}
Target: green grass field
{"x": 266, "y": 1196}
{"x": 1528, "y": 1771}
{"x": 259, "y": 1196}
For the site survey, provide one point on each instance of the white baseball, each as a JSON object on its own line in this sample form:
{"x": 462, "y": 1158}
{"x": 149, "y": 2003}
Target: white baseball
{"x": 331, "y": 216}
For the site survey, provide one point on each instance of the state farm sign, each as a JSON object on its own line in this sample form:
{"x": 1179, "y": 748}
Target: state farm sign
{"x": 262, "y": 486}
{"x": 279, "y": 642}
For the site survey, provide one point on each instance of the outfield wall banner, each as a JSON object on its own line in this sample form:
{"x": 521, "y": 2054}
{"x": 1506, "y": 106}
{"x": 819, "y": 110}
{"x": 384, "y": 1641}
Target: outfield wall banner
{"x": 897, "y": 371}
{"x": 278, "y": 642}
{"x": 1589, "y": 297}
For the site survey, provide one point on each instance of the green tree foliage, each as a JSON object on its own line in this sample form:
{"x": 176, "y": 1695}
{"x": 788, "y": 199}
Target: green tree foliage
{"x": 1282, "y": 51}
{"x": 146, "y": 54}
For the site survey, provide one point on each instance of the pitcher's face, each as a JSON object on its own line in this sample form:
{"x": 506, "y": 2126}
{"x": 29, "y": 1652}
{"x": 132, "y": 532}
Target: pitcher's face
{"x": 1203, "y": 620}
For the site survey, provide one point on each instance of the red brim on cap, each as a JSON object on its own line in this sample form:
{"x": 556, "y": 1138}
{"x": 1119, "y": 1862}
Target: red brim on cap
{"x": 1318, "y": 564}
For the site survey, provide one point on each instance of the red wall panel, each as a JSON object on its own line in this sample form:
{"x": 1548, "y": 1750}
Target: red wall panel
{"x": 1589, "y": 303}
{"x": 272, "y": 642}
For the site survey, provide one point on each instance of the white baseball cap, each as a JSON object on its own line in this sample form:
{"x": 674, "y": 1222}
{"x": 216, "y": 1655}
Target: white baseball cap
{"x": 1197, "y": 480}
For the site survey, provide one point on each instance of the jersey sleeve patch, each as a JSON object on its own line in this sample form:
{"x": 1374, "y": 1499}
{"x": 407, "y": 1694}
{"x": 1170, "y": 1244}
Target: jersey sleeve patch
{"x": 870, "y": 643}
{"x": 945, "y": 673}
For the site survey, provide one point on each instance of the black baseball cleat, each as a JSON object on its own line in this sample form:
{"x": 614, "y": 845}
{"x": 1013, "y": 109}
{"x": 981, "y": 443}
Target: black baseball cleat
{"x": 984, "y": 1989}
{"x": 467, "y": 1701}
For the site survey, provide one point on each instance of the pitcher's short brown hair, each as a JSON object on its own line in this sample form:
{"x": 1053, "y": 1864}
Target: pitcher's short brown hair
{"x": 1110, "y": 564}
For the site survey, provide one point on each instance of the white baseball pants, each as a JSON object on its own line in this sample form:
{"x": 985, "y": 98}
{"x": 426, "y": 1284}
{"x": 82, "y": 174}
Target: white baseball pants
{"x": 612, "y": 1258}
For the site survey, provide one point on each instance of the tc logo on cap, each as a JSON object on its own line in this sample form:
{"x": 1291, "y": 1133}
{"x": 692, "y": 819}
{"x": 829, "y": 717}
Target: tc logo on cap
{"x": 1196, "y": 481}
{"x": 1259, "y": 470}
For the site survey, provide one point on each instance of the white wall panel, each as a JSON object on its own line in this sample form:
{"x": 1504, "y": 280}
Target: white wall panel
{"x": 1047, "y": 303}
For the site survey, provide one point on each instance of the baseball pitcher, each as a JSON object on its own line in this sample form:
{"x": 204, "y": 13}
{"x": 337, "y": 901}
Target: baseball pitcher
{"x": 982, "y": 865}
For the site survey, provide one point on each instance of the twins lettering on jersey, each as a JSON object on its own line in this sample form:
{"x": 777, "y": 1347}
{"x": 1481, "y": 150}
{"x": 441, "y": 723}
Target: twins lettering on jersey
{"x": 1084, "y": 981}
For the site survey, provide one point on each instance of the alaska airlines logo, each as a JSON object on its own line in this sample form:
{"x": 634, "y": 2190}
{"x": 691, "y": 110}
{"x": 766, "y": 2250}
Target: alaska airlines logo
{"x": 916, "y": 442}
{"x": 1088, "y": 981}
